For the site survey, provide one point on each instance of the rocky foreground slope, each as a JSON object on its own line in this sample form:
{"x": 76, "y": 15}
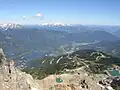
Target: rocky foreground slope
{"x": 12, "y": 78}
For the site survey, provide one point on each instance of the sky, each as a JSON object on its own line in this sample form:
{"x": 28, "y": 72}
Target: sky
{"x": 92, "y": 12}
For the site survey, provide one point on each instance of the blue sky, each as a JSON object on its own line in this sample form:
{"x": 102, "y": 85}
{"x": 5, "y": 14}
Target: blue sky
{"x": 100, "y": 12}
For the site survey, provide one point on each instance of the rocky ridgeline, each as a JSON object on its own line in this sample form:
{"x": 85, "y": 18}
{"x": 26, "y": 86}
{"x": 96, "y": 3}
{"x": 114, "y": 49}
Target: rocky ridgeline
{"x": 12, "y": 78}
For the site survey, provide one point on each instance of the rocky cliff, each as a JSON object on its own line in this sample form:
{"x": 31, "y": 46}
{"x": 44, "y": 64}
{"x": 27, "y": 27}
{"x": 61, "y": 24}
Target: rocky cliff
{"x": 12, "y": 78}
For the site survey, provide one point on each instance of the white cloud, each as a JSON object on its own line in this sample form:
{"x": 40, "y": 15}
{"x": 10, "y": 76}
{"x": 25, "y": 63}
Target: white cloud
{"x": 24, "y": 17}
{"x": 39, "y": 15}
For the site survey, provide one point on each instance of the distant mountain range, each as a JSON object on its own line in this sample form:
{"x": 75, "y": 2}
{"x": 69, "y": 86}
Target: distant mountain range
{"x": 91, "y": 36}
{"x": 30, "y": 42}
{"x": 72, "y": 28}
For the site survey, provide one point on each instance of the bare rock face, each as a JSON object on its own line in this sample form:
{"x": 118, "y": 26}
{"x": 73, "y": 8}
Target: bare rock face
{"x": 70, "y": 82}
{"x": 2, "y": 56}
{"x": 12, "y": 78}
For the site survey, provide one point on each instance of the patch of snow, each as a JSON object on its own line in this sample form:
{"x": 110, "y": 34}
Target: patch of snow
{"x": 51, "y": 61}
{"x": 43, "y": 62}
{"x": 59, "y": 60}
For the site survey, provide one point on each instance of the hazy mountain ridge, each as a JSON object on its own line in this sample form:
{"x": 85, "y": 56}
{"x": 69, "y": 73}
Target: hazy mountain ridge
{"x": 41, "y": 41}
{"x": 117, "y": 33}
{"x": 110, "y": 47}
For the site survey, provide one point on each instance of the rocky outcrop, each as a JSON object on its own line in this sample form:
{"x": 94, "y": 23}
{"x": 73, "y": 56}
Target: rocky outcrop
{"x": 110, "y": 83}
{"x": 76, "y": 81}
{"x": 12, "y": 78}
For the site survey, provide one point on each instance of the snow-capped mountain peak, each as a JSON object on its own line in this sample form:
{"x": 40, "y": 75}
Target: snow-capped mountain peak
{"x": 7, "y": 26}
{"x": 54, "y": 24}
